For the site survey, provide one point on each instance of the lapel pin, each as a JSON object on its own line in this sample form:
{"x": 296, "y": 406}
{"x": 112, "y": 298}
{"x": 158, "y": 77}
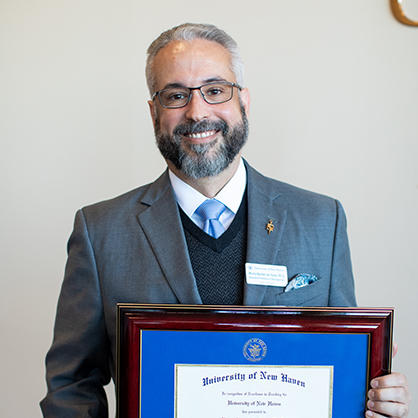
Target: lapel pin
{"x": 270, "y": 226}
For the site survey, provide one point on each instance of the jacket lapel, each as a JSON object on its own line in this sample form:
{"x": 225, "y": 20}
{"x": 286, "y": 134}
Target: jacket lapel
{"x": 265, "y": 205}
{"x": 164, "y": 231}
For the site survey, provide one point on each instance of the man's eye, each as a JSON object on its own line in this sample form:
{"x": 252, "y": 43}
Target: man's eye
{"x": 215, "y": 91}
{"x": 175, "y": 97}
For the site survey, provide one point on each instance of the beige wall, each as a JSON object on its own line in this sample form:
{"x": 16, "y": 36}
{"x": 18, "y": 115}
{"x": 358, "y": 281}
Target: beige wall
{"x": 334, "y": 109}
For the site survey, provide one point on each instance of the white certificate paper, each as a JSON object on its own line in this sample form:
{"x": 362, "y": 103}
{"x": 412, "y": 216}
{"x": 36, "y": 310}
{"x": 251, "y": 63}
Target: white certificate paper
{"x": 229, "y": 391}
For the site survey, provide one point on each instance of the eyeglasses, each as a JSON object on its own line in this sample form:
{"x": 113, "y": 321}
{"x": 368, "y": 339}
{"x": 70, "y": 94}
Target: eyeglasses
{"x": 212, "y": 93}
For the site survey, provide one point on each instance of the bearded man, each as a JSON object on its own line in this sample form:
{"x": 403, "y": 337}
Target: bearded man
{"x": 187, "y": 237}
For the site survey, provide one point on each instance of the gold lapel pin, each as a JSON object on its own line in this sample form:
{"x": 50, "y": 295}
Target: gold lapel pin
{"x": 270, "y": 226}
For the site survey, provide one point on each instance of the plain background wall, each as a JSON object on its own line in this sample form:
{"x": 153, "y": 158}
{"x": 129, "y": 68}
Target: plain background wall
{"x": 334, "y": 89}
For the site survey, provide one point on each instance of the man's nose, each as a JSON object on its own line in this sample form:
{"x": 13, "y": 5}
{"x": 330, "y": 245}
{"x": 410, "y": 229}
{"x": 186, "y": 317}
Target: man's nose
{"x": 197, "y": 109}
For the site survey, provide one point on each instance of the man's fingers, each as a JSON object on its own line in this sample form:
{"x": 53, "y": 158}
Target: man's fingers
{"x": 395, "y": 349}
{"x": 389, "y": 395}
{"x": 372, "y": 414}
{"x": 385, "y": 409}
{"x": 390, "y": 380}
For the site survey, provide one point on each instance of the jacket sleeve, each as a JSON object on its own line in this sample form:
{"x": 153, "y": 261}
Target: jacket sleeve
{"x": 77, "y": 363}
{"x": 341, "y": 291}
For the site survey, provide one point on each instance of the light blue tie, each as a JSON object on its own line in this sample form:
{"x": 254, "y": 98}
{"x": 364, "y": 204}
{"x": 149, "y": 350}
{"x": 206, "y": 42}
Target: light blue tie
{"x": 210, "y": 211}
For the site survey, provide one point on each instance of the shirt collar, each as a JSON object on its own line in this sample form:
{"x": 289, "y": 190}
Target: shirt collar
{"x": 190, "y": 199}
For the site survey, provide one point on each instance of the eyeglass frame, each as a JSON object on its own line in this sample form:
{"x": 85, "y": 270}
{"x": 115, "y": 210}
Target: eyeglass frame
{"x": 157, "y": 93}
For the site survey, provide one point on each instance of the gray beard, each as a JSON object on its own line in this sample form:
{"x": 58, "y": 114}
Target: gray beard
{"x": 200, "y": 160}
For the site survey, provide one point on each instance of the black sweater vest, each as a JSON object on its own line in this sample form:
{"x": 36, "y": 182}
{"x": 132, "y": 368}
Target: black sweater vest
{"x": 219, "y": 264}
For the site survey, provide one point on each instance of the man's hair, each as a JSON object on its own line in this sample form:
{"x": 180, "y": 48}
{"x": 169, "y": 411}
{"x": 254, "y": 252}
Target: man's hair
{"x": 188, "y": 32}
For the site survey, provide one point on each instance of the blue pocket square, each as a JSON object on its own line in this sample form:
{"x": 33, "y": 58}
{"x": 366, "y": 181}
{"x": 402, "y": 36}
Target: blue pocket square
{"x": 300, "y": 280}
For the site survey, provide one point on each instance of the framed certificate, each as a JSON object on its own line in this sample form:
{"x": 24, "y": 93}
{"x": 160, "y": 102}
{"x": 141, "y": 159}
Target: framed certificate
{"x": 202, "y": 361}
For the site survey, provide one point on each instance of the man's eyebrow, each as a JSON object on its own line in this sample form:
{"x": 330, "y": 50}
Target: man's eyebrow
{"x": 173, "y": 85}
{"x": 214, "y": 79}
{"x": 181, "y": 85}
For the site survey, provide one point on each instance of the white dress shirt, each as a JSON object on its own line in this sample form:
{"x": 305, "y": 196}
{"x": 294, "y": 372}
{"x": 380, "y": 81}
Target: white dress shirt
{"x": 231, "y": 195}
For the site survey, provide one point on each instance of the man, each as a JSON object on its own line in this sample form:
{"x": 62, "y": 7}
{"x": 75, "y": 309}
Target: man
{"x": 172, "y": 242}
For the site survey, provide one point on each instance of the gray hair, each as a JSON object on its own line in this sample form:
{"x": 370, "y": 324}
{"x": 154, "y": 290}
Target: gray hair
{"x": 188, "y": 32}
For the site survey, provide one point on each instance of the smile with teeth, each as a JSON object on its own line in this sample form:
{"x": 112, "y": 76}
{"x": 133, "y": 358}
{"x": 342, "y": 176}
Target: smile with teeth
{"x": 201, "y": 134}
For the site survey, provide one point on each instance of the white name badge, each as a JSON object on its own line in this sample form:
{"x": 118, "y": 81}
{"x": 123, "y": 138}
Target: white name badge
{"x": 266, "y": 274}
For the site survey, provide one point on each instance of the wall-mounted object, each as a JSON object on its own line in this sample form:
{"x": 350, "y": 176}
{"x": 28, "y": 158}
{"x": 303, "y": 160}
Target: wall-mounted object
{"x": 397, "y": 10}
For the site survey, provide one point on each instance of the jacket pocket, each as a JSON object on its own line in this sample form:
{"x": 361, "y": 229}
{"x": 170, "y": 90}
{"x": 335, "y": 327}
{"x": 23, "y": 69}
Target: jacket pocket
{"x": 315, "y": 294}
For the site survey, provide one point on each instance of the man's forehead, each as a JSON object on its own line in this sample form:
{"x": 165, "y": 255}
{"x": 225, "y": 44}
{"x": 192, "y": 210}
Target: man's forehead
{"x": 200, "y": 60}
{"x": 196, "y": 46}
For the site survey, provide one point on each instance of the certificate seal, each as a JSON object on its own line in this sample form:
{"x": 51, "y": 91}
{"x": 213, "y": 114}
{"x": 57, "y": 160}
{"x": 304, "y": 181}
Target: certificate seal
{"x": 255, "y": 349}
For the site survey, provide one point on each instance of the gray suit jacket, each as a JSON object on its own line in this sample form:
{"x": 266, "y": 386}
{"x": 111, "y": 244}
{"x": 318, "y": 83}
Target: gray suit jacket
{"x": 132, "y": 249}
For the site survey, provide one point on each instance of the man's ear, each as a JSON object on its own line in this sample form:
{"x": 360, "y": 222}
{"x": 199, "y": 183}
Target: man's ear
{"x": 245, "y": 100}
{"x": 152, "y": 110}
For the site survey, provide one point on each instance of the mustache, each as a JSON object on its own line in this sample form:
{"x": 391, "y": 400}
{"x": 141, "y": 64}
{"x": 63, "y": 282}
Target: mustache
{"x": 201, "y": 126}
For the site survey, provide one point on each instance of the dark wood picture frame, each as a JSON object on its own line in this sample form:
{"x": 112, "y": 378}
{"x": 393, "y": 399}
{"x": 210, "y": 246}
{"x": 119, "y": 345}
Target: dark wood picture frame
{"x": 377, "y": 323}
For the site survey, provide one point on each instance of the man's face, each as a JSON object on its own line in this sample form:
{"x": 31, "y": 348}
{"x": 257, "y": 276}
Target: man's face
{"x": 200, "y": 139}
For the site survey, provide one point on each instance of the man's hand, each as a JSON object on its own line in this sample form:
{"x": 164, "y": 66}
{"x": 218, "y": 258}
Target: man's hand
{"x": 389, "y": 396}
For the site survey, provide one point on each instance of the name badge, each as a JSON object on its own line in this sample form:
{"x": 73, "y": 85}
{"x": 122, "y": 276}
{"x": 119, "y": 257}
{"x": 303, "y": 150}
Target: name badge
{"x": 266, "y": 274}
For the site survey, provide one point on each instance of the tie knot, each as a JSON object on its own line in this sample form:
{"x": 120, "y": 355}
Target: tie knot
{"x": 210, "y": 211}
